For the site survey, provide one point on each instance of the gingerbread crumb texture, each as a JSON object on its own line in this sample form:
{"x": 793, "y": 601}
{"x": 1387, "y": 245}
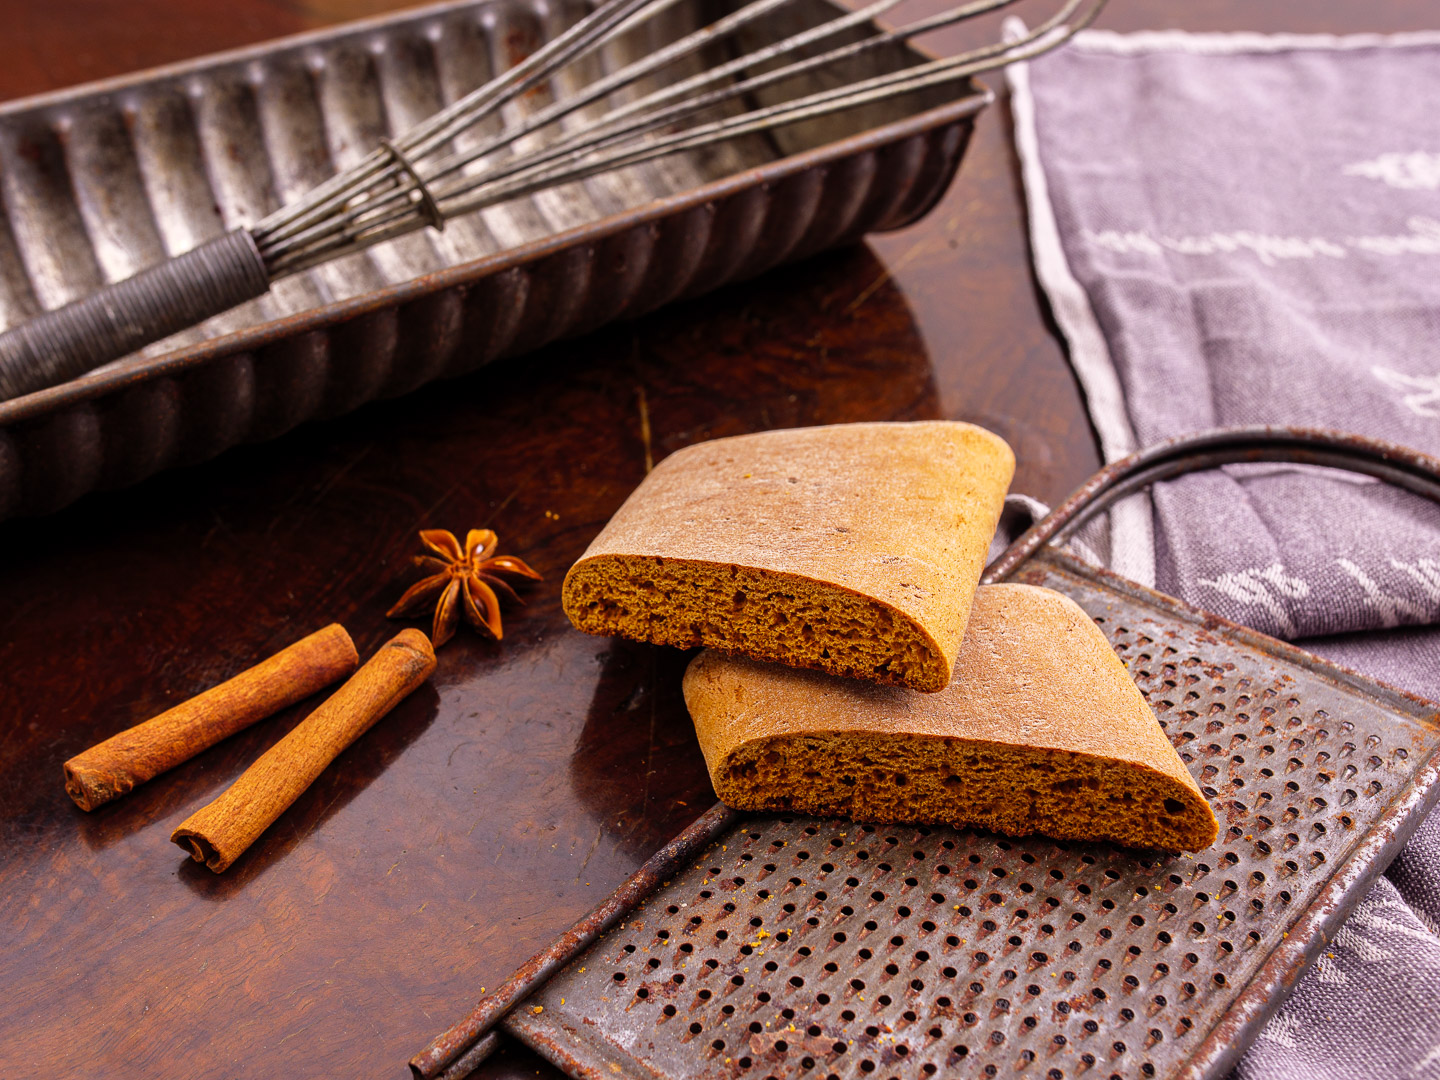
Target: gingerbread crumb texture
{"x": 1041, "y": 731}
{"x": 853, "y": 549}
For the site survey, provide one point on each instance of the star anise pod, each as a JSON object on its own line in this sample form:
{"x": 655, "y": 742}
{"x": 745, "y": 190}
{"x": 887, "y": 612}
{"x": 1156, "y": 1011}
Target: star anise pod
{"x": 471, "y": 580}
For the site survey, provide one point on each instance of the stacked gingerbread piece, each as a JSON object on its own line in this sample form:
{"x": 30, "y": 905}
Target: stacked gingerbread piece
{"x": 852, "y": 664}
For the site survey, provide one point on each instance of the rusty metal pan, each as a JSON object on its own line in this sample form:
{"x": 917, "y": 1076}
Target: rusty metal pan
{"x": 799, "y": 947}
{"x": 100, "y": 181}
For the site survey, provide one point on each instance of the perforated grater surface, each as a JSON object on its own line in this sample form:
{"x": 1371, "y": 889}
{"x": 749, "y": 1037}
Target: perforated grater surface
{"x": 803, "y": 948}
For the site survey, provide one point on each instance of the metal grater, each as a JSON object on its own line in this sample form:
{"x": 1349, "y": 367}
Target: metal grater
{"x": 796, "y": 947}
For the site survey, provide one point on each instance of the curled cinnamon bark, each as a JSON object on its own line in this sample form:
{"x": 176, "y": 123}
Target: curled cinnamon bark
{"x": 116, "y": 766}
{"x": 218, "y": 834}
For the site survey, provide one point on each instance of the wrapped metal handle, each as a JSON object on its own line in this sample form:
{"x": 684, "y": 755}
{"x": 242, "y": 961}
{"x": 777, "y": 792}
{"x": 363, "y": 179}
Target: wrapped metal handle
{"x": 120, "y": 318}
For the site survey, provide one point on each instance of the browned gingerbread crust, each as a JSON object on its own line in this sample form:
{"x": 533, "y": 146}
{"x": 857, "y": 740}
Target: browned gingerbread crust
{"x": 854, "y": 549}
{"x": 1041, "y": 731}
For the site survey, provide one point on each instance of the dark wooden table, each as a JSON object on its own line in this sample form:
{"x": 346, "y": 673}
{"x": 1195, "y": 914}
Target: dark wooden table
{"x": 507, "y": 797}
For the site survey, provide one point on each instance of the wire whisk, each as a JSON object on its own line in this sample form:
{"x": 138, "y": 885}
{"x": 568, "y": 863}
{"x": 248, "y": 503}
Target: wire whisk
{"x": 426, "y": 177}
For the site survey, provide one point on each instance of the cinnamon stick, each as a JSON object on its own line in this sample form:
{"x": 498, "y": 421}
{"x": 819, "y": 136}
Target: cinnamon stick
{"x": 116, "y": 766}
{"x": 218, "y": 834}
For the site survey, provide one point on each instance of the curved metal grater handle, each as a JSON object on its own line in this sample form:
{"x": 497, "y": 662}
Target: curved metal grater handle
{"x": 120, "y": 318}
{"x": 1412, "y": 470}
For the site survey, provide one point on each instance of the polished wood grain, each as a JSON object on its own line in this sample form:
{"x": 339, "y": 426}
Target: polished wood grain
{"x": 528, "y": 778}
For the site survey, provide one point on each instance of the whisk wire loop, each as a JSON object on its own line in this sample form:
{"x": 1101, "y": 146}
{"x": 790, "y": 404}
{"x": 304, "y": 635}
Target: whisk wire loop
{"x": 631, "y": 134}
{"x": 433, "y": 215}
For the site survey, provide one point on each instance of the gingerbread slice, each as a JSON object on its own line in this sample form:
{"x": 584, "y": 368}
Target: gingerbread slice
{"x": 854, "y": 549}
{"x": 1041, "y": 731}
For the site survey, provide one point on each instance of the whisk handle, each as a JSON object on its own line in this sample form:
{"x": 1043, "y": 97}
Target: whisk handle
{"x": 120, "y": 318}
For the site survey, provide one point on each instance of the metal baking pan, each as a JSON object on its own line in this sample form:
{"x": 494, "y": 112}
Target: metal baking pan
{"x": 103, "y": 180}
{"x": 796, "y": 947}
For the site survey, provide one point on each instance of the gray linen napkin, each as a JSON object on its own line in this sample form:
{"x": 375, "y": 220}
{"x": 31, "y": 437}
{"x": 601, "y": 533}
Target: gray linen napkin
{"x": 1244, "y": 229}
